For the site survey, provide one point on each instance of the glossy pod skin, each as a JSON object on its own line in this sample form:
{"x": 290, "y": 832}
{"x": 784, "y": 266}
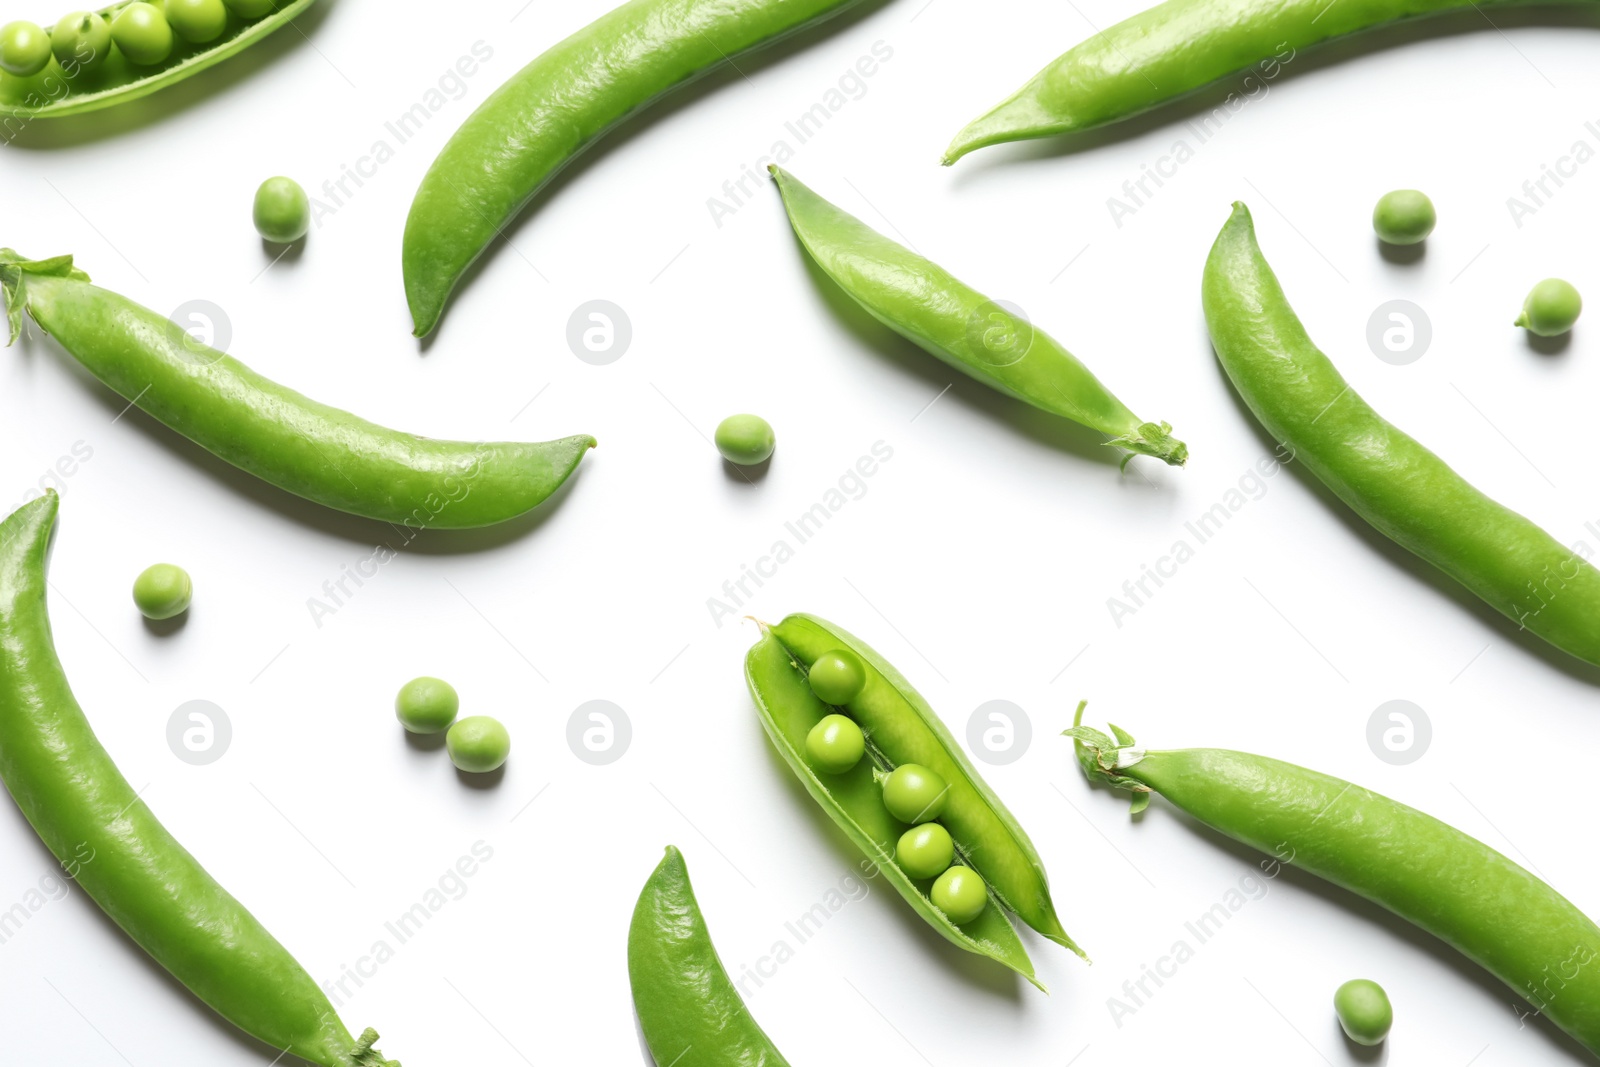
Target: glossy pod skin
{"x": 901, "y": 728}
{"x": 691, "y": 1014}
{"x": 1427, "y": 872}
{"x": 1168, "y": 51}
{"x": 113, "y": 846}
{"x": 925, "y": 304}
{"x": 1396, "y": 484}
{"x": 280, "y": 436}
{"x": 67, "y": 89}
{"x": 554, "y": 108}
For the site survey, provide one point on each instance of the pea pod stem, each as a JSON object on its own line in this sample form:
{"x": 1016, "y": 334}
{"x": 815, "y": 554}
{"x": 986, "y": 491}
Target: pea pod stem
{"x": 115, "y": 848}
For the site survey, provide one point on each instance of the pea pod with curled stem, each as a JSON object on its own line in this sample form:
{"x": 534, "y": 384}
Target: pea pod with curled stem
{"x": 88, "y": 82}
{"x": 309, "y": 449}
{"x": 924, "y": 303}
{"x": 1454, "y": 886}
{"x": 1385, "y": 476}
{"x": 95, "y": 823}
{"x": 901, "y": 728}
{"x": 557, "y": 106}
{"x": 689, "y": 1010}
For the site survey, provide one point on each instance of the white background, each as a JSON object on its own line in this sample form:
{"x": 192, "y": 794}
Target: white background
{"x": 979, "y": 560}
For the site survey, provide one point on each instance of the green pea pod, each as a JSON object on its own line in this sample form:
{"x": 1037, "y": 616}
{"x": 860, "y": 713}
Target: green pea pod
{"x": 691, "y": 1014}
{"x": 901, "y": 728}
{"x": 309, "y": 449}
{"x": 91, "y": 82}
{"x": 113, "y": 846}
{"x": 1455, "y": 887}
{"x": 1407, "y": 492}
{"x": 924, "y": 303}
{"x": 554, "y": 108}
{"x": 1169, "y": 50}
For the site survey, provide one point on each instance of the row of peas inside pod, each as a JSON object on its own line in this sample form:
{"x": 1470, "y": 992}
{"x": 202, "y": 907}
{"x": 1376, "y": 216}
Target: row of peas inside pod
{"x": 142, "y": 33}
{"x": 913, "y": 794}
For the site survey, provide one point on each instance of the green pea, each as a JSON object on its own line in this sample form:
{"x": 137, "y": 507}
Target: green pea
{"x": 143, "y": 34}
{"x": 24, "y": 48}
{"x": 197, "y": 21}
{"x": 1551, "y": 308}
{"x": 81, "y": 41}
{"x": 924, "y": 851}
{"x": 282, "y": 210}
{"x": 914, "y": 794}
{"x": 1364, "y": 1011}
{"x": 1404, "y": 217}
{"x": 426, "y": 705}
{"x": 960, "y": 894}
{"x": 162, "y": 591}
{"x": 249, "y": 9}
{"x": 745, "y": 439}
{"x": 478, "y": 744}
{"x": 838, "y": 677}
{"x": 835, "y": 744}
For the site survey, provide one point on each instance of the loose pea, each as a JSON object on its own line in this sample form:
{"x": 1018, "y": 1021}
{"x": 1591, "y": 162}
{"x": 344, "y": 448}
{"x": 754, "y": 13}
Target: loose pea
{"x": 1404, "y": 217}
{"x": 81, "y": 41}
{"x": 745, "y": 439}
{"x": 914, "y": 794}
{"x": 1364, "y": 1011}
{"x": 24, "y": 48}
{"x": 838, "y": 677}
{"x": 835, "y": 744}
{"x": 143, "y": 34}
{"x": 162, "y": 591}
{"x": 249, "y": 9}
{"x": 426, "y": 705}
{"x": 926, "y": 850}
{"x": 1551, "y": 308}
{"x": 478, "y": 744}
{"x": 960, "y": 894}
{"x": 197, "y": 21}
{"x": 282, "y": 211}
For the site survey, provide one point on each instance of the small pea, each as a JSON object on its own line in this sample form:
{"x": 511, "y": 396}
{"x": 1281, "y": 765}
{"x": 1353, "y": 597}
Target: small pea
{"x": 745, "y": 439}
{"x": 1404, "y": 217}
{"x": 960, "y": 894}
{"x": 924, "y": 851}
{"x": 162, "y": 591}
{"x": 24, "y": 48}
{"x": 426, "y": 705}
{"x": 282, "y": 210}
{"x": 143, "y": 34}
{"x": 249, "y": 9}
{"x": 838, "y": 677}
{"x": 835, "y": 744}
{"x": 914, "y": 794}
{"x": 1551, "y": 308}
{"x": 197, "y": 21}
{"x": 478, "y": 744}
{"x": 1364, "y": 1011}
{"x": 81, "y": 41}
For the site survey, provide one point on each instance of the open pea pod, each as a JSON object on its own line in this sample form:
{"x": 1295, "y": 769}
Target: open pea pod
{"x": 89, "y": 79}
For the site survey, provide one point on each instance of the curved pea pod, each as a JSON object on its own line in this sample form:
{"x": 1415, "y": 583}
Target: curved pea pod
{"x": 90, "y": 83}
{"x": 309, "y": 449}
{"x": 689, "y": 1010}
{"x": 901, "y": 728}
{"x": 926, "y": 304}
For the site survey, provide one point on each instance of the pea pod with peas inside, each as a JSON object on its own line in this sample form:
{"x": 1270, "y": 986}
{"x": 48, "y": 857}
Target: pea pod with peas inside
{"x": 309, "y": 449}
{"x": 97, "y": 59}
{"x": 115, "y": 848}
{"x": 901, "y": 734}
{"x": 925, "y": 304}
{"x": 1453, "y": 886}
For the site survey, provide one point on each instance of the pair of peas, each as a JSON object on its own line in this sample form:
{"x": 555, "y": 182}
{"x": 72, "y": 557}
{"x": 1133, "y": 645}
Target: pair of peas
{"x": 144, "y": 32}
{"x": 477, "y": 744}
{"x": 912, "y": 793}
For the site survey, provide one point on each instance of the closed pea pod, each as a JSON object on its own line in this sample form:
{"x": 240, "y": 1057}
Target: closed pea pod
{"x": 309, "y": 449}
{"x": 1404, "y": 490}
{"x": 115, "y": 848}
